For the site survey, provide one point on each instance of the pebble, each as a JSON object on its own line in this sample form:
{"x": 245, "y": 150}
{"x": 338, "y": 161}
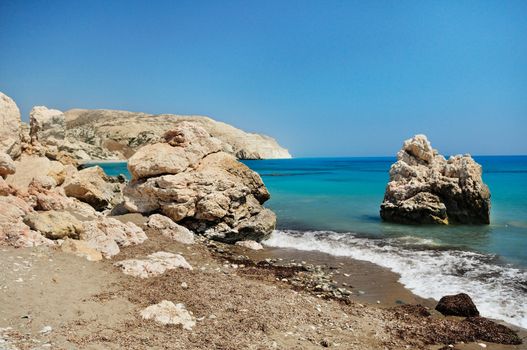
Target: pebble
{"x": 46, "y": 329}
{"x": 482, "y": 345}
{"x": 184, "y": 285}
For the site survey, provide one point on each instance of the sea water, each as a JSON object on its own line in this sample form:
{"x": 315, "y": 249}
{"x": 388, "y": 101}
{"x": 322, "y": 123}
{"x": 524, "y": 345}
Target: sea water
{"x": 332, "y": 205}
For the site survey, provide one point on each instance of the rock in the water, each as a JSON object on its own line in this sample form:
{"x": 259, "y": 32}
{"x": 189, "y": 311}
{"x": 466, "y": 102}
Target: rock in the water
{"x": 47, "y": 126}
{"x": 169, "y": 228}
{"x": 166, "y": 312}
{"x": 425, "y": 188}
{"x": 155, "y": 264}
{"x": 54, "y": 224}
{"x": 457, "y": 305}
{"x": 253, "y": 245}
{"x": 7, "y": 166}
{"x": 9, "y": 127}
{"x": 91, "y": 185}
{"x": 81, "y": 249}
{"x": 214, "y": 194}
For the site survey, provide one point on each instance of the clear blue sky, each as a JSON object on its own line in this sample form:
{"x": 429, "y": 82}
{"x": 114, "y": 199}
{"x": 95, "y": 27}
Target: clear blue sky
{"x": 326, "y": 78}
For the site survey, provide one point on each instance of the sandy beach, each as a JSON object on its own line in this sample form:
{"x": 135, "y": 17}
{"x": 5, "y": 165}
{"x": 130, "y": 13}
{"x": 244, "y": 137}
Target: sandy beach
{"x": 51, "y": 299}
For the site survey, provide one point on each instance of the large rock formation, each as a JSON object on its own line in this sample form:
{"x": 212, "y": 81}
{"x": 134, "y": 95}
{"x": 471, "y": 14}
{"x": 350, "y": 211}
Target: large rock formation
{"x": 9, "y": 127}
{"x": 425, "y": 188}
{"x": 110, "y": 134}
{"x": 199, "y": 186}
{"x": 47, "y": 126}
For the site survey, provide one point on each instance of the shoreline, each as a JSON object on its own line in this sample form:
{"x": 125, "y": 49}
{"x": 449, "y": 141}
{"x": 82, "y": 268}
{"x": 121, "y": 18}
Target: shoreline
{"x": 92, "y": 305}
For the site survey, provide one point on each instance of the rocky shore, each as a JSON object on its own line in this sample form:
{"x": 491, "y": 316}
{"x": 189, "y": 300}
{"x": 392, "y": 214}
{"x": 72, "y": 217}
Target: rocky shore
{"x": 172, "y": 258}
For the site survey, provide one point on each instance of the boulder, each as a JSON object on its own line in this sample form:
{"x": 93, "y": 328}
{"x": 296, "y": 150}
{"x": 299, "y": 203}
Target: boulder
{"x": 54, "y": 224}
{"x": 155, "y": 264}
{"x": 124, "y": 234}
{"x": 13, "y": 231}
{"x": 209, "y": 191}
{"x": 7, "y": 166}
{"x": 425, "y": 188}
{"x": 168, "y": 228}
{"x": 457, "y": 305}
{"x": 92, "y": 186}
{"x": 81, "y": 249}
{"x": 253, "y": 245}
{"x": 30, "y": 167}
{"x": 186, "y": 146}
{"x": 98, "y": 240}
{"x": 47, "y": 126}
{"x": 166, "y": 312}
{"x": 9, "y": 127}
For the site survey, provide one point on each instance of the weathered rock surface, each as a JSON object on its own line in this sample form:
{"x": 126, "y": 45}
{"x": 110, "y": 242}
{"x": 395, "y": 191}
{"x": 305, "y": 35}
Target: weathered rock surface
{"x": 253, "y": 245}
{"x": 81, "y": 249}
{"x": 54, "y": 224}
{"x": 7, "y": 166}
{"x": 110, "y": 134}
{"x": 155, "y": 264}
{"x": 169, "y": 228}
{"x": 457, "y": 305}
{"x": 91, "y": 185}
{"x": 166, "y": 312}
{"x": 425, "y": 188}
{"x": 9, "y": 127}
{"x": 214, "y": 195}
{"x": 47, "y": 126}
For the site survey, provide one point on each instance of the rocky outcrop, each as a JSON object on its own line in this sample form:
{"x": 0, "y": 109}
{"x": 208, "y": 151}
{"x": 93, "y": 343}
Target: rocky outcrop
{"x": 7, "y": 166}
{"x": 209, "y": 191}
{"x": 110, "y": 134}
{"x": 457, "y": 305}
{"x": 425, "y": 188}
{"x": 47, "y": 126}
{"x": 9, "y": 127}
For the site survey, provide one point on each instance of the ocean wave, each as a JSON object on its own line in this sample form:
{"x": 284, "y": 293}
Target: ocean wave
{"x": 499, "y": 291}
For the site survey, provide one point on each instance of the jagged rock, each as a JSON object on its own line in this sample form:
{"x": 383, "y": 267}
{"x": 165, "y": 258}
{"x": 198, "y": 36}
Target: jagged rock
{"x": 97, "y": 239}
{"x": 108, "y": 134}
{"x": 169, "y": 228}
{"x": 7, "y": 165}
{"x": 13, "y": 231}
{"x": 253, "y": 245}
{"x": 9, "y": 127}
{"x": 457, "y": 305}
{"x": 155, "y": 264}
{"x": 124, "y": 234}
{"x": 91, "y": 185}
{"x": 425, "y": 188}
{"x": 81, "y": 249}
{"x": 47, "y": 126}
{"x": 54, "y": 224}
{"x": 166, "y": 312}
{"x": 214, "y": 195}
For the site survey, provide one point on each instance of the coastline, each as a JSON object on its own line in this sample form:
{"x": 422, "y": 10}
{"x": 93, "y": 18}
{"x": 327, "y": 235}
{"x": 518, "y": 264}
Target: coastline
{"x": 92, "y": 305}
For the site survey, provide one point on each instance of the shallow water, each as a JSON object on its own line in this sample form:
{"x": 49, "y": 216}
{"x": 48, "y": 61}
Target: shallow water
{"x": 332, "y": 205}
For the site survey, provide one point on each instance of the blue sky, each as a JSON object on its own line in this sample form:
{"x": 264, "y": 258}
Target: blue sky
{"x": 326, "y": 78}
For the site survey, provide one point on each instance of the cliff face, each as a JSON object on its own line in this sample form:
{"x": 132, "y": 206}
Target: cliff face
{"x": 111, "y": 134}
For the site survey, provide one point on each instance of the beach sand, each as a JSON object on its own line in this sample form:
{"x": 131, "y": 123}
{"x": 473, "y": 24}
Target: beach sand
{"x": 92, "y": 305}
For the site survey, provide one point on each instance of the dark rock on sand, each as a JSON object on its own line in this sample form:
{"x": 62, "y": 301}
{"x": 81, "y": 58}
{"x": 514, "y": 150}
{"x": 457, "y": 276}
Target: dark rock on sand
{"x": 457, "y": 305}
{"x": 425, "y": 188}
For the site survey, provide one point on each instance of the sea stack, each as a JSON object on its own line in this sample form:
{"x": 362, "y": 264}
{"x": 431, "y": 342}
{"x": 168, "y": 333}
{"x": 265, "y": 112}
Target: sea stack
{"x": 425, "y": 188}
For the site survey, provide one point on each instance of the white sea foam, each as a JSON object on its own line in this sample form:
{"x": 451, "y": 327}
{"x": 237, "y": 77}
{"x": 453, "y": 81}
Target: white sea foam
{"x": 498, "y": 291}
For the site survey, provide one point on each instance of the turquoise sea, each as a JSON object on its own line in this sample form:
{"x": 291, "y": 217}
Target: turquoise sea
{"x": 332, "y": 205}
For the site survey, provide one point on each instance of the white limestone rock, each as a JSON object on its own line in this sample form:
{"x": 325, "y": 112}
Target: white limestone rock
{"x": 166, "y": 312}
{"x": 9, "y": 127}
{"x": 155, "y": 264}
{"x": 47, "y": 126}
{"x": 169, "y": 228}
